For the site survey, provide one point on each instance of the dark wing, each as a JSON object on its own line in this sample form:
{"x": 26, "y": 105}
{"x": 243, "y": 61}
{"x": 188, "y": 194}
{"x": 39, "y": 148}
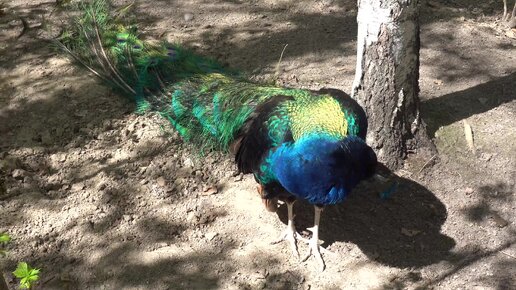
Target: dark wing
{"x": 253, "y": 140}
{"x": 351, "y": 106}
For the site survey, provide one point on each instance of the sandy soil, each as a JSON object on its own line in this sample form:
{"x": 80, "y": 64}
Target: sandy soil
{"x": 101, "y": 198}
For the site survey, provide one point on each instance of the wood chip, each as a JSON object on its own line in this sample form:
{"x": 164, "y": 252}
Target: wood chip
{"x": 468, "y": 132}
{"x": 468, "y": 190}
{"x": 210, "y": 190}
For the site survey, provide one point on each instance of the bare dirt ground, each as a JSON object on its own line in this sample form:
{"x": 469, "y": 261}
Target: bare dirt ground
{"x": 101, "y": 198}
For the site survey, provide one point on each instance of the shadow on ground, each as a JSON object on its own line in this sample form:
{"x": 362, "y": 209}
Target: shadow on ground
{"x": 450, "y": 108}
{"x": 403, "y": 231}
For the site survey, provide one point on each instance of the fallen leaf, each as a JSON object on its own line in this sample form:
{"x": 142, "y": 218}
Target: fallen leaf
{"x": 499, "y": 221}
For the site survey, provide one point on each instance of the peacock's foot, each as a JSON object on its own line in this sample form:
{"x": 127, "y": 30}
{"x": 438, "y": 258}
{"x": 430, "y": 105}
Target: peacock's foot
{"x": 315, "y": 250}
{"x": 291, "y": 236}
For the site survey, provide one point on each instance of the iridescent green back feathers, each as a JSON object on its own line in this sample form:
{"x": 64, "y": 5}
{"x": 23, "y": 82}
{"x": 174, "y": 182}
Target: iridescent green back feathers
{"x": 205, "y": 102}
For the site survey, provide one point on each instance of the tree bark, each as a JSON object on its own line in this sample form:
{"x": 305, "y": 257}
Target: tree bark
{"x": 3, "y": 284}
{"x": 386, "y": 79}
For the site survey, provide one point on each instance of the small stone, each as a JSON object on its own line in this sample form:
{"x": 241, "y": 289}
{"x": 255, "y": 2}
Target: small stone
{"x": 327, "y": 3}
{"x": 415, "y": 276}
{"x": 27, "y": 179}
{"x": 210, "y": 236}
{"x": 161, "y": 181}
{"x": 239, "y": 177}
{"x": 468, "y": 190}
{"x": 511, "y": 33}
{"x": 188, "y": 162}
{"x": 191, "y": 217}
{"x": 499, "y": 221}
{"x": 78, "y": 186}
{"x": 19, "y": 174}
{"x": 486, "y": 156}
{"x": 107, "y": 125}
{"x": 188, "y": 17}
{"x": 102, "y": 186}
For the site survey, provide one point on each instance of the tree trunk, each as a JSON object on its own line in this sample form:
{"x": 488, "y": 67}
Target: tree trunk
{"x": 386, "y": 79}
{"x": 3, "y": 284}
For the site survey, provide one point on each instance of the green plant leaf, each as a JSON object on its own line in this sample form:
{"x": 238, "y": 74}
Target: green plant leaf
{"x": 4, "y": 238}
{"x": 26, "y": 274}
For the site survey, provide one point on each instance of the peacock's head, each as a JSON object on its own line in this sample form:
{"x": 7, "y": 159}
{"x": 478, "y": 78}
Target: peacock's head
{"x": 321, "y": 169}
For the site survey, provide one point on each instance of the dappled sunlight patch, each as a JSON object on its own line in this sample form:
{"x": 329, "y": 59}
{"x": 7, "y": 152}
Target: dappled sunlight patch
{"x": 99, "y": 197}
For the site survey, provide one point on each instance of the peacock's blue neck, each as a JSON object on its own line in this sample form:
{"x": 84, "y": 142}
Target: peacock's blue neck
{"x": 318, "y": 168}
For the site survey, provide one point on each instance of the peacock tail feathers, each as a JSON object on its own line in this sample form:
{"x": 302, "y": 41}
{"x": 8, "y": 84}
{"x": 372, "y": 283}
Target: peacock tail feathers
{"x": 206, "y": 103}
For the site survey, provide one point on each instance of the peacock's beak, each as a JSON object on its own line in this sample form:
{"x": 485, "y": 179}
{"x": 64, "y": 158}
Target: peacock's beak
{"x": 271, "y": 204}
{"x": 382, "y": 171}
{"x": 387, "y": 178}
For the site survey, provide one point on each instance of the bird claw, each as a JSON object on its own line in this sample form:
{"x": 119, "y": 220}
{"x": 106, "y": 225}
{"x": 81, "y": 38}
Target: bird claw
{"x": 291, "y": 236}
{"x": 315, "y": 250}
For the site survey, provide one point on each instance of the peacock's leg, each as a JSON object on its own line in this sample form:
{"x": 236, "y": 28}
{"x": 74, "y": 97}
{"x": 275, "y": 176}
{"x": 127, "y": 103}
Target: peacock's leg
{"x": 290, "y": 234}
{"x": 313, "y": 243}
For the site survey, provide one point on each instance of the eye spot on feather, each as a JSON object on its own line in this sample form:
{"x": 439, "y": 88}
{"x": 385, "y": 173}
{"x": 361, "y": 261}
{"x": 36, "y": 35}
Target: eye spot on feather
{"x": 136, "y": 47}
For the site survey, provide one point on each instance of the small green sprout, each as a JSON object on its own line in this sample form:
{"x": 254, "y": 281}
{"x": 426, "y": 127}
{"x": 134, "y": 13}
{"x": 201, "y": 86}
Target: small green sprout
{"x": 26, "y": 274}
{"x": 4, "y": 239}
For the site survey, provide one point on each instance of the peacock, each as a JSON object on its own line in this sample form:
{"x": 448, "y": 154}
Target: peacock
{"x": 299, "y": 144}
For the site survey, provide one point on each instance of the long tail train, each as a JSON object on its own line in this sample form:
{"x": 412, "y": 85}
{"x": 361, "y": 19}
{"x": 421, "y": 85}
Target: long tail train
{"x": 199, "y": 97}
